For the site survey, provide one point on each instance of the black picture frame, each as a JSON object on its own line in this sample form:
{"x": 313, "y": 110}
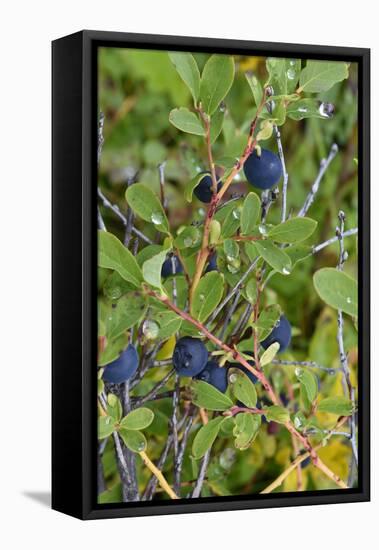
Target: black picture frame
{"x": 74, "y": 133}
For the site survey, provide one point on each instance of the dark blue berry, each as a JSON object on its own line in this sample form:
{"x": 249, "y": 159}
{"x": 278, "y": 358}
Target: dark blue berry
{"x": 190, "y": 356}
{"x": 306, "y": 462}
{"x": 167, "y": 266}
{"x": 123, "y": 368}
{"x": 212, "y": 264}
{"x": 215, "y": 375}
{"x": 203, "y": 191}
{"x": 263, "y": 171}
{"x": 281, "y": 334}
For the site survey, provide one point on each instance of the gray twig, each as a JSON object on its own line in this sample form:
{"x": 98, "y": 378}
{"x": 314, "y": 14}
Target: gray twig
{"x": 311, "y": 364}
{"x": 243, "y": 320}
{"x": 115, "y": 209}
{"x": 161, "y": 168}
{"x": 100, "y": 136}
{"x": 178, "y": 461}
{"x": 100, "y": 221}
{"x": 332, "y": 240}
{"x": 324, "y": 165}
{"x": 285, "y": 173}
{"x": 348, "y": 388}
{"x": 201, "y": 477}
{"x": 229, "y": 315}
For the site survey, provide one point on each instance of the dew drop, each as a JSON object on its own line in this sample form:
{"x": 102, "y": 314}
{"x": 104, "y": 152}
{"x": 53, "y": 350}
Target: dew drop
{"x": 326, "y": 110}
{"x": 188, "y": 242}
{"x": 201, "y": 297}
{"x": 297, "y": 422}
{"x": 348, "y": 300}
{"x": 285, "y": 271}
{"x": 141, "y": 446}
{"x": 291, "y": 73}
{"x": 237, "y": 213}
{"x": 233, "y": 378}
{"x": 156, "y": 218}
{"x": 302, "y": 110}
{"x": 292, "y": 62}
{"x": 262, "y": 229}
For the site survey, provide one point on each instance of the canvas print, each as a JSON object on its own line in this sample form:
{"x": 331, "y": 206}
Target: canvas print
{"x": 227, "y": 275}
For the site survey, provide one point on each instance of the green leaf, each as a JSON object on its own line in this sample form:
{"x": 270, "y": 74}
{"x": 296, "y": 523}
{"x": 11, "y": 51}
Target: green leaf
{"x": 133, "y": 439}
{"x": 105, "y": 426}
{"x": 276, "y": 68}
{"x": 216, "y": 81}
{"x": 308, "y": 108}
{"x": 298, "y": 253}
{"x": 337, "y": 289}
{"x": 148, "y": 252}
{"x": 138, "y": 419}
{"x": 231, "y": 249}
{"x": 214, "y": 232}
{"x": 251, "y": 290}
{"x": 293, "y": 69}
{"x": 269, "y": 354}
{"x": 231, "y": 222}
{"x": 293, "y": 230}
{"x": 320, "y": 76}
{"x": 267, "y": 320}
{"x": 278, "y": 414}
{"x": 169, "y": 323}
{"x": 256, "y": 87}
{"x": 308, "y": 381}
{"x": 125, "y": 313}
{"x": 243, "y": 388}
{"x": 114, "y": 407}
{"x": 206, "y": 436}
{"x": 188, "y": 70}
{"x": 194, "y": 182}
{"x": 189, "y": 237}
{"x": 274, "y": 256}
{"x": 143, "y": 201}
{"x": 209, "y": 397}
{"x": 114, "y": 255}
{"x": 246, "y": 429}
{"x": 207, "y": 295}
{"x": 151, "y": 269}
{"x": 186, "y": 121}
{"x": 217, "y": 122}
{"x": 342, "y": 406}
{"x": 250, "y": 212}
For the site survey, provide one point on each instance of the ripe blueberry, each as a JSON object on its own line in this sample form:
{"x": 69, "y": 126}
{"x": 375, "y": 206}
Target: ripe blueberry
{"x": 265, "y": 171}
{"x": 123, "y": 368}
{"x": 280, "y": 334}
{"x": 212, "y": 264}
{"x": 167, "y": 266}
{"x": 215, "y": 375}
{"x": 190, "y": 356}
{"x": 203, "y": 191}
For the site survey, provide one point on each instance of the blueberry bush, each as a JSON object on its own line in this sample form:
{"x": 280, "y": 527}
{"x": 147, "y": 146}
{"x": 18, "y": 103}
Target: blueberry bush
{"x": 227, "y": 279}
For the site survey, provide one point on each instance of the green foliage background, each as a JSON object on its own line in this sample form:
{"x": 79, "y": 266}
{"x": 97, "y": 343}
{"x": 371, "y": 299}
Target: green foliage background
{"x": 137, "y": 91}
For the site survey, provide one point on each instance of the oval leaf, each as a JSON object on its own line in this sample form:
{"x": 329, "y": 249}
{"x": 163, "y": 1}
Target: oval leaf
{"x": 207, "y": 295}
{"x": 246, "y": 429}
{"x": 342, "y": 406}
{"x": 186, "y": 121}
{"x": 337, "y": 289}
{"x": 114, "y": 255}
{"x": 138, "y": 419}
{"x": 133, "y": 439}
{"x": 194, "y": 182}
{"x": 320, "y": 76}
{"x": 143, "y": 201}
{"x": 188, "y": 70}
{"x": 105, "y": 426}
{"x": 309, "y": 383}
{"x": 269, "y": 354}
{"x": 274, "y": 256}
{"x": 210, "y": 398}
{"x": 206, "y": 436}
{"x": 249, "y": 215}
{"x": 243, "y": 388}
{"x": 278, "y": 414}
{"x": 216, "y": 81}
{"x": 293, "y": 230}
{"x": 125, "y": 313}
{"x": 151, "y": 269}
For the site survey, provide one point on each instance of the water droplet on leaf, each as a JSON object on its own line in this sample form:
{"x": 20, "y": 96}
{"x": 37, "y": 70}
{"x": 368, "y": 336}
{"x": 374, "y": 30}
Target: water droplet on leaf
{"x": 156, "y": 218}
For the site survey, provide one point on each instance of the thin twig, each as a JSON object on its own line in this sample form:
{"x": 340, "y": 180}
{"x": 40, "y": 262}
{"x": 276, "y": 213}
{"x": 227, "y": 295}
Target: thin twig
{"x": 311, "y": 364}
{"x": 100, "y": 221}
{"x": 201, "y": 477}
{"x": 324, "y": 165}
{"x": 158, "y": 474}
{"x": 229, "y": 314}
{"x": 332, "y": 240}
{"x": 178, "y": 465}
{"x": 152, "y": 393}
{"x": 161, "y": 168}
{"x": 115, "y": 209}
